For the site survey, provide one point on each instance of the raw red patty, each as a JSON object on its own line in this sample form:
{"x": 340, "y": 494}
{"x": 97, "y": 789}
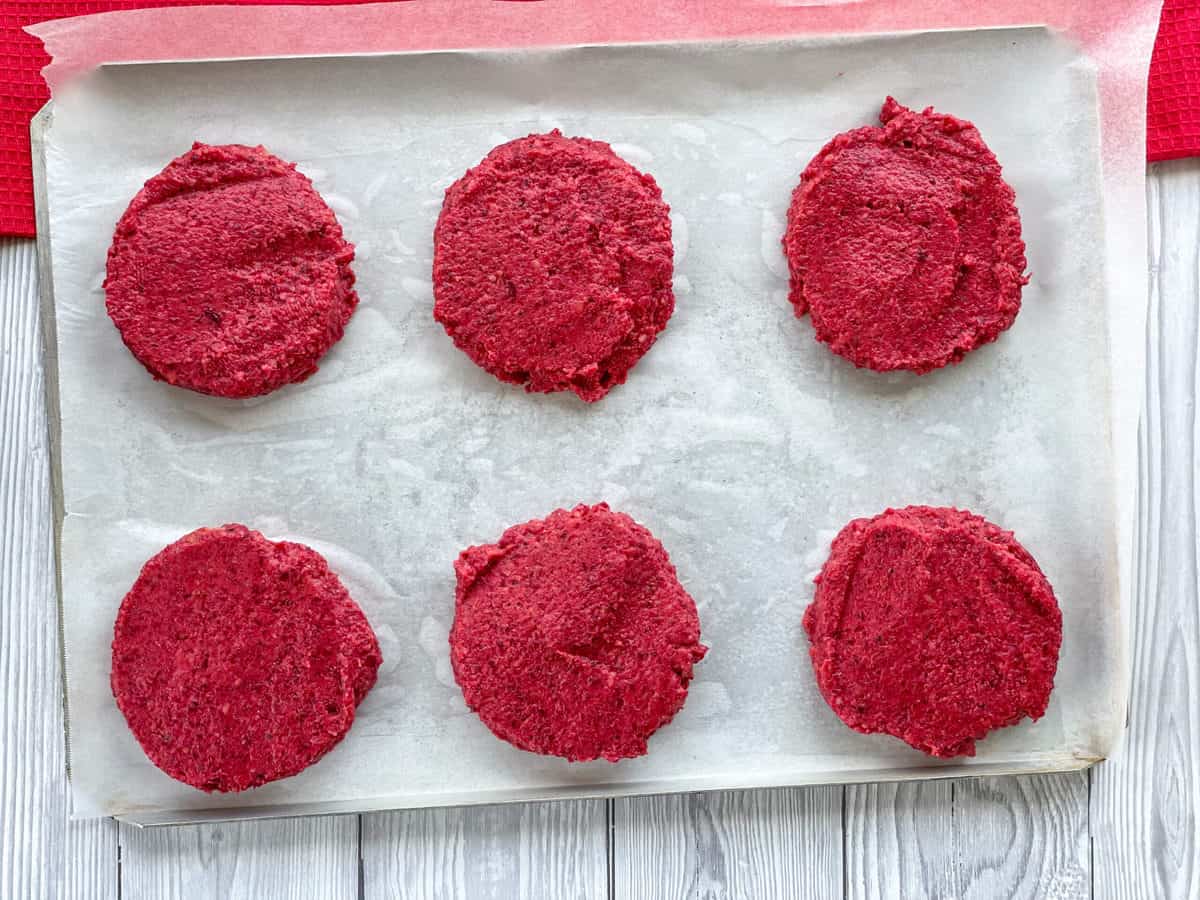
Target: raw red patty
{"x": 572, "y": 636}
{"x": 228, "y": 274}
{"x": 237, "y": 660}
{"x": 935, "y": 626}
{"x": 904, "y": 243}
{"x": 552, "y": 264}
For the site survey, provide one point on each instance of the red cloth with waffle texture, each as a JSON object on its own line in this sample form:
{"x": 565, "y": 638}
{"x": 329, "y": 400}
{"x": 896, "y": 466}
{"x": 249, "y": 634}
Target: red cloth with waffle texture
{"x": 1173, "y": 98}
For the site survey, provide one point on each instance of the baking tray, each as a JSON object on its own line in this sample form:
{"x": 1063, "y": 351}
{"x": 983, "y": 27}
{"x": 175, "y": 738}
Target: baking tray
{"x": 739, "y": 440}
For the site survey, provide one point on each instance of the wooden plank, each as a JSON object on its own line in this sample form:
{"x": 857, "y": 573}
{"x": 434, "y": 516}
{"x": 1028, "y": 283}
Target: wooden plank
{"x": 900, "y": 839}
{"x": 779, "y": 843}
{"x": 1145, "y": 827}
{"x": 284, "y": 859}
{"x": 1023, "y": 837}
{"x": 41, "y": 854}
{"x": 534, "y": 850}
{"x": 91, "y": 868}
{"x": 977, "y": 837}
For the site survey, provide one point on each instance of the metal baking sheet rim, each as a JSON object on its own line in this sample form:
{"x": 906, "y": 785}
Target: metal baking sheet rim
{"x": 1047, "y": 764}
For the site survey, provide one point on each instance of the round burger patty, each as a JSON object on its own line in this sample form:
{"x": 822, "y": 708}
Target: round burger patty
{"x": 904, "y": 243}
{"x": 228, "y": 274}
{"x": 552, "y": 264}
{"x": 572, "y": 635}
{"x": 935, "y": 626}
{"x": 237, "y": 660}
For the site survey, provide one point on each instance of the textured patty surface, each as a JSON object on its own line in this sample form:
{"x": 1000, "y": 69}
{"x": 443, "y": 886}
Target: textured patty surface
{"x": 228, "y": 274}
{"x": 933, "y": 625}
{"x": 904, "y": 243}
{"x": 572, "y": 635}
{"x": 552, "y": 264}
{"x": 237, "y": 660}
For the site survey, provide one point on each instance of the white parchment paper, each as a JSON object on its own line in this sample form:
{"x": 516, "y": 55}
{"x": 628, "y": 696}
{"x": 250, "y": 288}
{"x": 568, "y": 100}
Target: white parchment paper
{"x": 739, "y": 440}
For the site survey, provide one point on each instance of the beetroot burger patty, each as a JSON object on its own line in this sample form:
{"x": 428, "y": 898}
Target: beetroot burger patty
{"x": 238, "y": 660}
{"x": 904, "y": 243}
{"x": 228, "y": 274}
{"x": 935, "y": 626}
{"x": 552, "y": 264}
{"x": 572, "y": 636}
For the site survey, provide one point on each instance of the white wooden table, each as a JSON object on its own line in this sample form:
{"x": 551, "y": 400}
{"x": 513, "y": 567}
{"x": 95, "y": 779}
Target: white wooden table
{"x": 1128, "y": 828}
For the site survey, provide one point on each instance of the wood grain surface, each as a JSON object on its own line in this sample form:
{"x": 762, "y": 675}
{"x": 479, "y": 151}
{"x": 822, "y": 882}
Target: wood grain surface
{"x": 519, "y": 852}
{"x": 1127, "y": 829}
{"x": 777, "y": 843}
{"x": 285, "y": 858}
{"x": 979, "y": 837}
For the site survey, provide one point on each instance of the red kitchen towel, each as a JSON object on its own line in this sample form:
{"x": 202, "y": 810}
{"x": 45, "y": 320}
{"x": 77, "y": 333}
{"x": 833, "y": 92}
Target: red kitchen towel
{"x": 1173, "y": 123}
{"x": 1173, "y": 100}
